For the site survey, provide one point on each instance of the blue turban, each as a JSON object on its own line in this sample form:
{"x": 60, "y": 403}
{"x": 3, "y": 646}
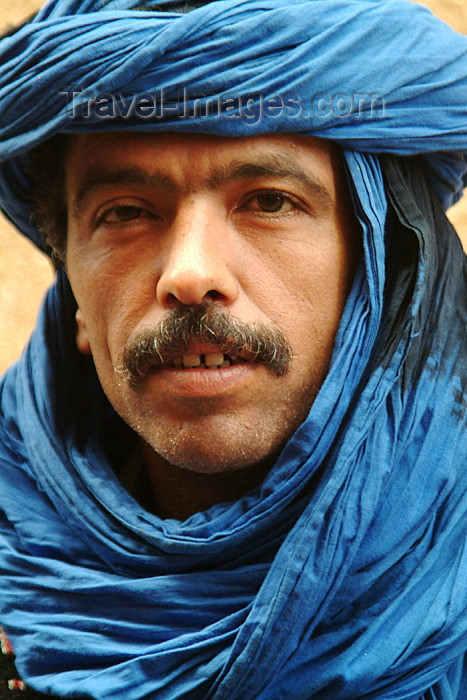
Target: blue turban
{"x": 344, "y": 574}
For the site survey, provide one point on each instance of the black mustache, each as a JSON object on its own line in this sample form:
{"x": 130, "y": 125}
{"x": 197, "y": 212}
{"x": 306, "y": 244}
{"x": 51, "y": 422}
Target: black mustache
{"x": 210, "y": 324}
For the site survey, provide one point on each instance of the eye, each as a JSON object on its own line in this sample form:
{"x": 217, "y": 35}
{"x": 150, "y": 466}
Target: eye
{"x": 121, "y": 213}
{"x": 271, "y": 202}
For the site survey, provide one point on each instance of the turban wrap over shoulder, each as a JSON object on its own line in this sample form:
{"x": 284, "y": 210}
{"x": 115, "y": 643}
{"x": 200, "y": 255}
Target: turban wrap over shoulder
{"x": 344, "y": 574}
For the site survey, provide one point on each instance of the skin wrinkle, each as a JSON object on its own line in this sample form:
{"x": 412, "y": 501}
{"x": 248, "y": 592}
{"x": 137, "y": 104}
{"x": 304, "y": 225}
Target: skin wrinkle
{"x": 272, "y": 166}
{"x": 271, "y": 249}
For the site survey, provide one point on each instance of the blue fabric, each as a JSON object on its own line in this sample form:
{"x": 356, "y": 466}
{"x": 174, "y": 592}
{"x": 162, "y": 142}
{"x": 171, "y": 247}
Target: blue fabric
{"x": 248, "y": 49}
{"x": 344, "y": 574}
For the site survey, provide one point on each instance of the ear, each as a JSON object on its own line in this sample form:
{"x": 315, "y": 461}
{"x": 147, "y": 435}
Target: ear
{"x": 82, "y": 339}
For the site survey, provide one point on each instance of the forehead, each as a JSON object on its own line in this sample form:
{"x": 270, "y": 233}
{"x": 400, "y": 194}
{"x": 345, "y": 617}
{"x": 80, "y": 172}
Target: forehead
{"x": 195, "y": 159}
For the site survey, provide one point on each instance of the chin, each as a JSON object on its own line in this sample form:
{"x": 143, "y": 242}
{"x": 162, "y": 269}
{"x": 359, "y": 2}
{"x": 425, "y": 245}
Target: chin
{"x": 208, "y": 459}
{"x": 202, "y": 452}
{"x": 210, "y": 443}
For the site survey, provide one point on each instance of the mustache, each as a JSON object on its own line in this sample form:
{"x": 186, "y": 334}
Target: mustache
{"x": 204, "y": 324}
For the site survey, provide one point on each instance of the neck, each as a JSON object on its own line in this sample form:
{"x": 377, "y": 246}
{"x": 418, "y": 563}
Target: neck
{"x": 178, "y": 493}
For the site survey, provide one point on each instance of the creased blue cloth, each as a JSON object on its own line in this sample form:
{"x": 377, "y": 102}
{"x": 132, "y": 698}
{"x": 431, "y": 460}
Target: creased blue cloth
{"x": 318, "y": 51}
{"x": 344, "y": 575}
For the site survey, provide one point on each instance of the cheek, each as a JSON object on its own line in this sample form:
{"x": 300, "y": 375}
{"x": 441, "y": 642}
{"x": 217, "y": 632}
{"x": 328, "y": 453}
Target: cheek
{"x": 305, "y": 287}
{"x": 304, "y": 278}
{"x": 110, "y": 293}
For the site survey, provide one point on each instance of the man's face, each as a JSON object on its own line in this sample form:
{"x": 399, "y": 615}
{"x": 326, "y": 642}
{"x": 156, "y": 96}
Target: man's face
{"x": 259, "y": 228}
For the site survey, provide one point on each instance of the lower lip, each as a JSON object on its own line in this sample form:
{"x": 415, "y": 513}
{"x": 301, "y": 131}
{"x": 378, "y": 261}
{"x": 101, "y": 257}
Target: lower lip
{"x": 197, "y": 382}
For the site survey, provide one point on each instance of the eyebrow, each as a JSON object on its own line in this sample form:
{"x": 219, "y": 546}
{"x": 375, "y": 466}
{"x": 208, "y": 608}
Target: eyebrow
{"x": 271, "y": 166}
{"x": 96, "y": 178}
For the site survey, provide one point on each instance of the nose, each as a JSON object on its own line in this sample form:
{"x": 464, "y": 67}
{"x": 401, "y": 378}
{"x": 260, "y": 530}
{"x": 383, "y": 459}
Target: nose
{"x": 197, "y": 266}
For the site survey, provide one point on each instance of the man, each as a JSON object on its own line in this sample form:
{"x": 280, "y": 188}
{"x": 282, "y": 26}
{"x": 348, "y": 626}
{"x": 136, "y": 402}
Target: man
{"x": 233, "y": 454}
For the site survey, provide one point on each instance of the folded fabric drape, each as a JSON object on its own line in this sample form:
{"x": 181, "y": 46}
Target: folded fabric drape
{"x": 344, "y": 574}
{"x": 335, "y": 67}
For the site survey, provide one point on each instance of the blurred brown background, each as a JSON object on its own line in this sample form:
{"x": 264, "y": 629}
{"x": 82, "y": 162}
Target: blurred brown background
{"x": 25, "y": 273}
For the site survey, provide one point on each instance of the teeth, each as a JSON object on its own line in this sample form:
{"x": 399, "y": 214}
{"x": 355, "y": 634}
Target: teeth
{"x": 214, "y": 359}
{"x": 210, "y": 360}
{"x": 191, "y": 360}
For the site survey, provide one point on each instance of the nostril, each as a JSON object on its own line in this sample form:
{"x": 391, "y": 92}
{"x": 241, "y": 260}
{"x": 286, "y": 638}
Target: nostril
{"x": 214, "y": 295}
{"x": 187, "y": 285}
{"x": 172, "y": 300}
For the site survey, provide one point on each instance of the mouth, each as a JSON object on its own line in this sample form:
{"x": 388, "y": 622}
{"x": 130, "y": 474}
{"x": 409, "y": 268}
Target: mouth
{"x": 189, "y": 375}
{"x": 196, "y": 340}
{"x": 207, "y": 360}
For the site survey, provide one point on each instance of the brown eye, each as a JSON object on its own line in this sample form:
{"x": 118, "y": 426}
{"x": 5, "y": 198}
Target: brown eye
{"x": 270, "y": 202}
{"x": 124, "y": 212}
